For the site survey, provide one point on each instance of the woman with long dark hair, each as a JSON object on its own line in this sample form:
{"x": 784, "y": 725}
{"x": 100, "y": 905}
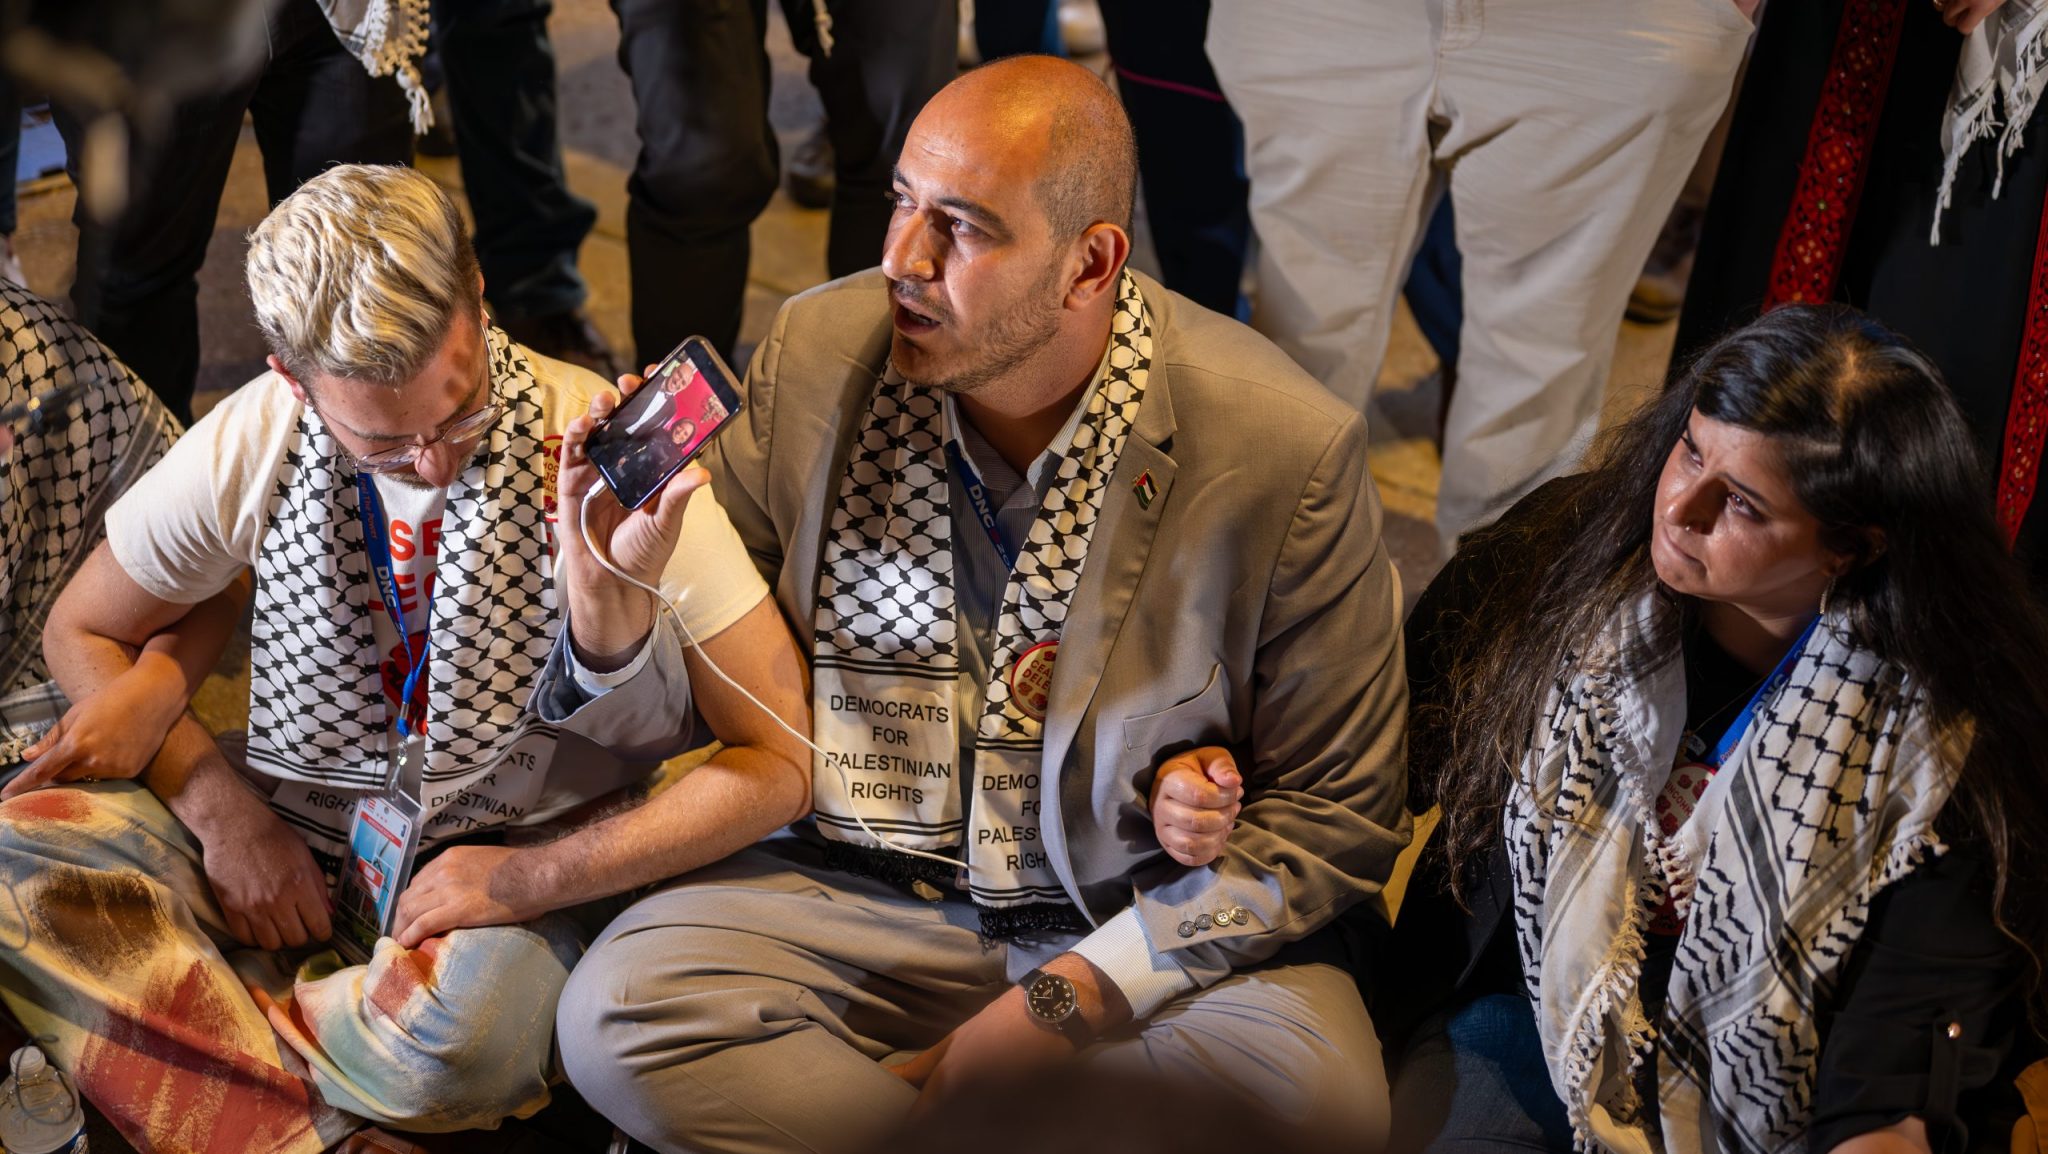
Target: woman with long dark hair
{"x": 1741, "y": 745}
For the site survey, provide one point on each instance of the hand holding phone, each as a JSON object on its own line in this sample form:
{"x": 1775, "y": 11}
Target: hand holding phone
{"x": 667, "y": 421}
{"x": 638, "y": 523}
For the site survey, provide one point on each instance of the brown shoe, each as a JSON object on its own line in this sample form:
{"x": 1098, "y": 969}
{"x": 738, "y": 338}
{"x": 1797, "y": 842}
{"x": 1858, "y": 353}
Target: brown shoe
{"x": 566, "y": 336}
{"x": 1660, "y": 291}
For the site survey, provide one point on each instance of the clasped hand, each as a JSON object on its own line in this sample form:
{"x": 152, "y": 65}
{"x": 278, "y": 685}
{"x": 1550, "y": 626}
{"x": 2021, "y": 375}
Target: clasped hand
{"x": 1195, "y": 800}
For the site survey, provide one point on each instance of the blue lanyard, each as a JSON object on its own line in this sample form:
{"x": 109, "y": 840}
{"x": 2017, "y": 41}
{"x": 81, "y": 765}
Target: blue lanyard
{"x": 370, "y": 510}
{"x": 1769, "y": 689}
{"x": 977, "y": 494}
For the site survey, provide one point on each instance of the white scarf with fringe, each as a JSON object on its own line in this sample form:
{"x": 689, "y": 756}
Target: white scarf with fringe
{"x": 1832, "y": 797}
{"x": 1998, "y": 84}
{"x": 389, "y": 37}
{"x": 884, "y": 646}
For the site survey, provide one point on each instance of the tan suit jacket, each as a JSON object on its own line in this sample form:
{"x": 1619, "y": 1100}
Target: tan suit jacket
{"x": 1250, "y": 605}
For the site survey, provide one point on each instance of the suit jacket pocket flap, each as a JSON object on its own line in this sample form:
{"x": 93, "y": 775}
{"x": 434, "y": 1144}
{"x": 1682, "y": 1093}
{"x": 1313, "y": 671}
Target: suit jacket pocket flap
{"x": 1203, "y": 718}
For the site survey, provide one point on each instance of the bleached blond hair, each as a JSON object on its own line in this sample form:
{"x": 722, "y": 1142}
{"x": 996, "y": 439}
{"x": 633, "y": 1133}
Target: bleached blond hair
{"x": 359, "y": 274}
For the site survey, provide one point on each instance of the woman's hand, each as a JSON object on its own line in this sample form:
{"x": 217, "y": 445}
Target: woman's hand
{"x": 1965, "y": 15}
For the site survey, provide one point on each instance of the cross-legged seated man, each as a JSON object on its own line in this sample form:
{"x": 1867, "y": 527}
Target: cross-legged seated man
{"x": 392, "y": 481}
{"x": 1044, "y": 525}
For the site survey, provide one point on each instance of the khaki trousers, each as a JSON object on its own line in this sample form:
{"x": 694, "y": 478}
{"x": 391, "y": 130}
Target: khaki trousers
{"x": 1564, "y": 130}
{"x": 757, "y": 1004}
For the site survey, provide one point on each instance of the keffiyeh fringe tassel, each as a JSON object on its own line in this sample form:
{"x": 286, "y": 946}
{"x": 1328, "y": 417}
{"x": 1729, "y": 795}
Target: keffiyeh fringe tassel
{"x": 2004, "y": 63}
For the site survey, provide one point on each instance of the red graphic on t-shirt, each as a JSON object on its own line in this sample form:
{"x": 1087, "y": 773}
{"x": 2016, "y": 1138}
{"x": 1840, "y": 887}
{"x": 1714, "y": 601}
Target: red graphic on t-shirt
{"x": 414, "y": 587}
{"x": 550, "y": 473}
{"x": 419, "y": 545}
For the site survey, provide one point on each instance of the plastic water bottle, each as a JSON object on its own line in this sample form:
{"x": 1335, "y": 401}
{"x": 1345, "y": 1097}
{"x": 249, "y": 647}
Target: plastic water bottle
{"x": 39, "y": 1111}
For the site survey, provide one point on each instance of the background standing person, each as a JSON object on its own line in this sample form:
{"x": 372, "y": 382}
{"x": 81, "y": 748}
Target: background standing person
{"x": 708, "y": 157}
{"x": 499, "y": 67}
{"x": 314, "y": 104}
{"x": 1856, "y": 122}
{"x": 1190, "y": 148}
{"x": 1564, "y": 129}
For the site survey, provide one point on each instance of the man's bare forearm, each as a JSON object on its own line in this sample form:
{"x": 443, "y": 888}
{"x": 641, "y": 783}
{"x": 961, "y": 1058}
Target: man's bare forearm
{"x": 83, "y": 658}
{"x": 731, "y": 801}
{"x": 81, "y": 661}
{"x": 188, "y": 772}
{"x": 194, "y": 780}
{"x": 608, "y": 624}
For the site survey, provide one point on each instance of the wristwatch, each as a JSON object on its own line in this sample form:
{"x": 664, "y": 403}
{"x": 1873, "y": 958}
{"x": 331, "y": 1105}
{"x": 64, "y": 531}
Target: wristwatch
{"x": 1052, "y": 1003}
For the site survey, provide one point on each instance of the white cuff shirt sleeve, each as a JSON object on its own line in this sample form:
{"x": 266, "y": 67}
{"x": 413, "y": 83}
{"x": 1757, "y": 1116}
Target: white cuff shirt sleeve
{"x": 1147, "y": 978}
{"x": 595, "y": 685}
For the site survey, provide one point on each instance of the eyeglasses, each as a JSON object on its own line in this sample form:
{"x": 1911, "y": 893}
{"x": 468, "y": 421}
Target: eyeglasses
{"x": 466, "y": 430}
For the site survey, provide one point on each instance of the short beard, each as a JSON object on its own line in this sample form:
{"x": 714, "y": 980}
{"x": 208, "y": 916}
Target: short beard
{"x": 1012, "y": 338}
{"x": 411, "y": 480}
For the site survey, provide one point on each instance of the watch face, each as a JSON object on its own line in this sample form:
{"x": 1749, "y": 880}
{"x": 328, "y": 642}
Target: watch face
{"x": 1050, "y": 998}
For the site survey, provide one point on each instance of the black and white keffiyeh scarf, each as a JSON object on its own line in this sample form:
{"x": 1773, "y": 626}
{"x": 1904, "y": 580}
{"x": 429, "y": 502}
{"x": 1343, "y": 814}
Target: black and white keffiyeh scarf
{"x": 1831, "y": 797}
{"x": 388, "y": 37}
{"x": 56, "y": 487}
{"x": 1999, "y": 78}
{"x": 317, "y": 710}
{"x": 884, "y": 660}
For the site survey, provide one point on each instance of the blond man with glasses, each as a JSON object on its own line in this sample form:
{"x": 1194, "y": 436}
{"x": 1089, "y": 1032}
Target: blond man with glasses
{"x": 430, "y": 631}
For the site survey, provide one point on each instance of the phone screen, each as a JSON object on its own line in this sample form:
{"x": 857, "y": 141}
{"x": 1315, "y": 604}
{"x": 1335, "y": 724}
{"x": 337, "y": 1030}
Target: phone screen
{"x": 665, "y": 423}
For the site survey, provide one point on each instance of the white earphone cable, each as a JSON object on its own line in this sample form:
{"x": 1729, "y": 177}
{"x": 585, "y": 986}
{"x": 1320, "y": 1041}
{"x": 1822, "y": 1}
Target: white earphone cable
{"x": 583, "y": 525}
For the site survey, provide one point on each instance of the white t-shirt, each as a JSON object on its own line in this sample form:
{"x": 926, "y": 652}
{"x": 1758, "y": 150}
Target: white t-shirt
{"x": 199, "y": 518}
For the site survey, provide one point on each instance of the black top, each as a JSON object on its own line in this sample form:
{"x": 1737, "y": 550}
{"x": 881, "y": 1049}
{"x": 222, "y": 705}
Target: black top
{"x": 1930, "y": 954}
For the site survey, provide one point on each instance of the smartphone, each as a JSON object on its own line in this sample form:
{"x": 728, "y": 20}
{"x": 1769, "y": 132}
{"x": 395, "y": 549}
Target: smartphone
{"x": 688, "y": 398}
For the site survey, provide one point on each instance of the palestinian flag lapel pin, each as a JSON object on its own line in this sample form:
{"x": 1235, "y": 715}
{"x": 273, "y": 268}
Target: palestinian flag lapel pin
{"x": 1145, "y": 489}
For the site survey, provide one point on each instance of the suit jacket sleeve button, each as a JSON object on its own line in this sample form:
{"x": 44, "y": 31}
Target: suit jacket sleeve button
{"x": 1187, "y": 929}
{"x": 1241, "y": 916}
